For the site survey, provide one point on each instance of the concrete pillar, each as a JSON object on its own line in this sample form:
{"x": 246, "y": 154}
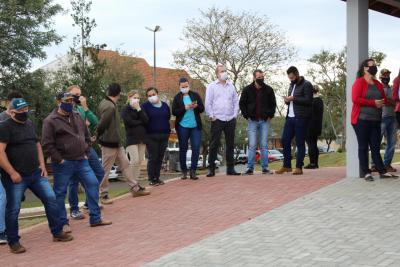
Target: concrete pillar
{"x": 357, "y": 51}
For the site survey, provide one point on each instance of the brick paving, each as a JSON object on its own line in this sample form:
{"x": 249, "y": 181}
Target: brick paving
{"x": 177, "y": 215}
{"x": 350, "y": 223}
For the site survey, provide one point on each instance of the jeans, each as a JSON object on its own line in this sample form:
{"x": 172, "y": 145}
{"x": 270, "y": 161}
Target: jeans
{"x": 156, "y": 146}
{"x": 184, "y": 134}
{"x": 297, "y": 128}
{"x": 63, "y": 173}
{"x": 261, "y": 127}
{"x": 389, "y": 130}
{"x": 217, "y": 127}
{"x": 369, "y": 136}
{"x": 3, "y": 201}
{"x": 97, "y": 168}
{"x": 41, "y": 187}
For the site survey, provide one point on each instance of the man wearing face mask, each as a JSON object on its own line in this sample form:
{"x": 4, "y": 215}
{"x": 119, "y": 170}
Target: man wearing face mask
{"x": 66, "y": 139}
{"x": 222, "y": 107}
{"x": 109, "y": 135}
{"x": 299, "y": 101}
{"x": 388, "y": 125}
{"x": 187, "y": 107}
{"x": 257, "y": 104}
{"x": 22, "y": 167}
{"x": 80, "y": 106}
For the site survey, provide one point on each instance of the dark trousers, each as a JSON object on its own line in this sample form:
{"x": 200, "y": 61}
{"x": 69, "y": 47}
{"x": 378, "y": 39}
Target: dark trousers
{"x": 313, "y": 151}
{"x": 369, "y": 136}
{"x": 294, "y": 128}
{"x": 156, "y": 146}
{"x": 228, "y": 128}
{"x": 184, "y": 135}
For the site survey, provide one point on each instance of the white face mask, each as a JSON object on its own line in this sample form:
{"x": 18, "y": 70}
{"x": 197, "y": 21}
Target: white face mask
{"x": 185, "y": 90}
{"x": 134, "y": 101}
{"x": 153, "y": 99}
{"x": 224, "y": 76}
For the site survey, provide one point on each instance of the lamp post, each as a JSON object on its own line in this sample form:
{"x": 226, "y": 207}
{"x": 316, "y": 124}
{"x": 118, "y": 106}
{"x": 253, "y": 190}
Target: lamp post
{"x": 156, "y": 29}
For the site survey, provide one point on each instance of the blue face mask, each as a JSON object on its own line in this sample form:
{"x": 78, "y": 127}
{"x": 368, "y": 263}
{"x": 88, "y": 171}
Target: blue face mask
{"x": 67, "y": 107}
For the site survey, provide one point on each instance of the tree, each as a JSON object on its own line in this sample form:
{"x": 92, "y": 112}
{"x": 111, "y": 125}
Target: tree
{"x": 243, "y": 42}
{"x": 328, "y": 71}
{"x": 25, "y": 29}
{"x": 87, "y": 70}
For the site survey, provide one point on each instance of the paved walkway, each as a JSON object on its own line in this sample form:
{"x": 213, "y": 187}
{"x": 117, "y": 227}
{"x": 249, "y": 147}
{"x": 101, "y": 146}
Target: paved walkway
{"x": 223, "y": 220}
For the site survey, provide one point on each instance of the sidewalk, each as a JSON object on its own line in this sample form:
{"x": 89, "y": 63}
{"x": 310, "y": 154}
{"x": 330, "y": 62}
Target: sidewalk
{"x": 176, "y": 215}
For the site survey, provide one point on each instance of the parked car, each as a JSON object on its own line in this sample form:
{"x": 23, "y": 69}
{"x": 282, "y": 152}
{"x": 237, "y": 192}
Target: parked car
{"x": 324, "y": 149}
{"x": 200, "y": 161}
{"x": 275, "y": 154}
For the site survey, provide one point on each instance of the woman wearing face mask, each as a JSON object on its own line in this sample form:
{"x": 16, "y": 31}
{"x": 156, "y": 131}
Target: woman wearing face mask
{"x": 368, "y": 99}
{"x": 135, "y": 120}
{"x": 158, "y": 130}
{"x": 187, "y": 106}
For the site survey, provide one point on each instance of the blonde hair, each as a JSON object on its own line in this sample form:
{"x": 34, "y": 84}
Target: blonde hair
{"x": 217, "y": 68}
{"x": 130, "y": 94}
{"x": 69, "y": 89}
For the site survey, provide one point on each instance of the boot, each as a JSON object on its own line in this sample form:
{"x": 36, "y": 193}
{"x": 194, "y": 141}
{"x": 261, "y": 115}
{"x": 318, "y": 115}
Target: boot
{"x": 211, "y": 172}
{"x": 193, "y": 175}
{"x": 283, "y": 170}
{"x": 184, "y": 175}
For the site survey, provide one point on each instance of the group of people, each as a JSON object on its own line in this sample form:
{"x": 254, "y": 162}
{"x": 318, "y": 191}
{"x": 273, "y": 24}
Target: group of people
{"x": 375, "y": 113}
{"x": 70, "y": 131}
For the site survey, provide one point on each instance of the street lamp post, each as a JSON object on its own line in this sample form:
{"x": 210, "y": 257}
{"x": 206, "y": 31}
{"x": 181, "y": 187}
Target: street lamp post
{"x": 156, "y": 29}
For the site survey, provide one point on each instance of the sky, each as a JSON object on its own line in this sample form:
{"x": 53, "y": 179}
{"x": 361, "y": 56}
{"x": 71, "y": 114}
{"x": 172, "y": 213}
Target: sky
{"x": 310, "y": 25}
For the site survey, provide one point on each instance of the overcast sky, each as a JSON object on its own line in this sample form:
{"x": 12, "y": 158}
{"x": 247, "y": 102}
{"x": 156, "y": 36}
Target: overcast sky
{"x": 310, "y": 25}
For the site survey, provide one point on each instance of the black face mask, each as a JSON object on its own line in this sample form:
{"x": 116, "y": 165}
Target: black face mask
{"x": 260, "y": 81}
{"x": 76, "y": 99}
{"x": 385, "y": 80}
{"x": 373, "y": 70}
{"x": 23, "y": 117}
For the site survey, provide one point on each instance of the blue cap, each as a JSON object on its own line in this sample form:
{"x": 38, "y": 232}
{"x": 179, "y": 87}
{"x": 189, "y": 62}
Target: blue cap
{"x": 18, "y": 103}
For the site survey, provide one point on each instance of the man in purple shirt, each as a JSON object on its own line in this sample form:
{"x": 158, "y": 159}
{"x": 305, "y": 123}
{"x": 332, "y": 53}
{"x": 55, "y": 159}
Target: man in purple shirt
{"x": 222, "y": 106}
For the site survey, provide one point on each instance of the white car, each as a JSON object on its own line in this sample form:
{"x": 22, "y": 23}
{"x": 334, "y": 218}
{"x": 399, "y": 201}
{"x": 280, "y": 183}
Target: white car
{"x": 200, "y": 161}
{"x": 276, "y": 154}
{"x": 113, "y": 174}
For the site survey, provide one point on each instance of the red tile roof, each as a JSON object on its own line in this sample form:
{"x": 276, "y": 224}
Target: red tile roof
{"x": 167, "y": 78}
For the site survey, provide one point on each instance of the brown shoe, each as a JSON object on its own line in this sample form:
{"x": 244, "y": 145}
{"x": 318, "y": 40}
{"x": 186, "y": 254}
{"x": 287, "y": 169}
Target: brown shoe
{"x": 105, "y": 200}
{"x": 102, "y": 222}
{"x": 17, "y": 248}
{"x": 67, "y": 229}
{"x": 283, "y": 170}
{"x": 63, "y": 237}
{"x": 390, "y": 169}
{"x": 141, "y": 192}
{"x": 298, "y": 171}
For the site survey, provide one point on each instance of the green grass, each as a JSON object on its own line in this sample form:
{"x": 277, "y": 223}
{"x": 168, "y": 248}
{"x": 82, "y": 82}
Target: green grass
{"x": 24, "y": 223}
{"x": 112, "y": 193}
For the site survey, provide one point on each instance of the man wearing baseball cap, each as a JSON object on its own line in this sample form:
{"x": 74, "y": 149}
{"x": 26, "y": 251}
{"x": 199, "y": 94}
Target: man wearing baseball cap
{"x": 22, "y": 166}
{"x": 388, "y": 126}
{"x": 66, "y": 140}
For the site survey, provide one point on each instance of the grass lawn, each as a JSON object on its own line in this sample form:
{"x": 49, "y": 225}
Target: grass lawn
{"x": 112, "y": 193}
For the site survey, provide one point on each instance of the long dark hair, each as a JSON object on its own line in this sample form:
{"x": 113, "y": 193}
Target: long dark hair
{"x": 360, "y": 72}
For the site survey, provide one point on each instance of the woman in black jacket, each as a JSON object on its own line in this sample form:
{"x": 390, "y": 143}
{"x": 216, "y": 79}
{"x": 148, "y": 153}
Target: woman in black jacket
{"x": 135, "y": 121}
{"x": 186, "y": 107}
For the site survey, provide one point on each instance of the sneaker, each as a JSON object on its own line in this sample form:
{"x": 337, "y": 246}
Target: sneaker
{"x": 389, "y": 168}
{"x": 368, "y": 177}
{"x": 63, "y": 237}
{"x": 102, "y": 222}
{"x": 249, "y": 172}
{"x": 388, "y": 175}
{"x": 17, "y": 248}
{"x": 160, "y": 182}
{"x": 77, "y": 215}
{"x": 266, "y": 171}
{"x": 154, "y": 183}
{"x": 3, "y": 238}
{"x": 283, "y": 170}
{"x": 106, "y": 200}
{"x": 184, "y": 175}
{"x": 141, "y": 192}
{"x": 67, "y": 229}
{"x": 298, "y": 171}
